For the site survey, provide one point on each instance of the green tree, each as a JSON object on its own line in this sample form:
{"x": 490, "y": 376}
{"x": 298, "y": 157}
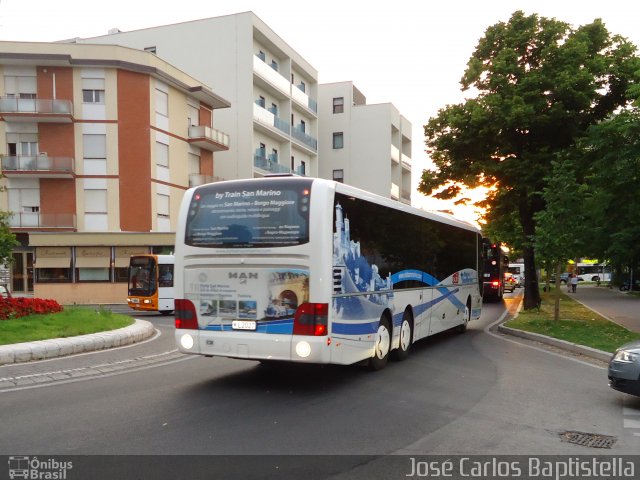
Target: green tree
{"x": 539, "y": 84}
{"x": 7, "y": 239}
{"x": 561, "y": 228}
{"x": 613, "y": 148}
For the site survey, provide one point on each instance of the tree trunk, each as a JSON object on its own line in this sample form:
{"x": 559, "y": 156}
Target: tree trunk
{"x": 526, "y": 213}
{"x": 531, "y": 290}
{"x": 556, "y": 308}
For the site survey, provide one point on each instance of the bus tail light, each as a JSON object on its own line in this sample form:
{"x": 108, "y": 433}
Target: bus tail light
{"x": 311, "y": 319}
{"x": 495, "y": 284}
{"x": 185, "y": 314}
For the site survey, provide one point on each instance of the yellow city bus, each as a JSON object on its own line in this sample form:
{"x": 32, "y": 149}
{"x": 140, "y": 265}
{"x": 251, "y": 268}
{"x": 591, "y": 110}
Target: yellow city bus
{"x": 151, "y": 283}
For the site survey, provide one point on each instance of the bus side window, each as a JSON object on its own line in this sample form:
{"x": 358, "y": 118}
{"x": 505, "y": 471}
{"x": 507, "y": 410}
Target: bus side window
{"x": 166, "y": 276}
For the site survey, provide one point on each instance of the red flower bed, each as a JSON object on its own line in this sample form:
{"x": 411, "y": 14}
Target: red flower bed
{"x": 17, "y": 307}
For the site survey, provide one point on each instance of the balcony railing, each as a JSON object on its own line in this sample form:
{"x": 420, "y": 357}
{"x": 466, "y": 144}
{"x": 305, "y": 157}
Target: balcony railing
{"x": 263, "y": 163}
{"x": 48, "y": 110}
{"x": 305, "y": 138}
{"x": 406, "y": 161}
{"x": 301, "y": 97}
{"x": 265, "y": 117}
{"x": 208, "y": 138}
{"x": 395, "y": 154}
{"x": 197, "y": 179}
{"x": 38, "y": 165}
{"x": 395, "y": 191}
{"x": 267, "y": 73}
{"x": 42, "y": 220}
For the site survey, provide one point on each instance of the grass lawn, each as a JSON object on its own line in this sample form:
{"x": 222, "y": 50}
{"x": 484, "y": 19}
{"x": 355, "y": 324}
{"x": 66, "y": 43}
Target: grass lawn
{"x": 70, "y": 322}
{"x": 577, "y": 324}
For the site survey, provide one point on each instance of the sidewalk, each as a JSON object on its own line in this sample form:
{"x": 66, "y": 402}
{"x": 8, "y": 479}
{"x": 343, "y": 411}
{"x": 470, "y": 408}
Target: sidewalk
{"x": 616, "y": 306}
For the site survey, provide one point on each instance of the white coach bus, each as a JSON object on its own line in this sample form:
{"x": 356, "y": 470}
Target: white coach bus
{"x": 309, "y": 270}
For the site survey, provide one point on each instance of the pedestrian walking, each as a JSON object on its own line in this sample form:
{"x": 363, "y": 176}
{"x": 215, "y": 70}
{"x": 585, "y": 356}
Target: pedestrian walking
{"x": 574, "y": 283}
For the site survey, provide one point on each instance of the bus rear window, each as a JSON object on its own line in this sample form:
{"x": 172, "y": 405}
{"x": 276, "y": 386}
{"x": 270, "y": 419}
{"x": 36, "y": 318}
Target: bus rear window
{"x": 262, "y": 214}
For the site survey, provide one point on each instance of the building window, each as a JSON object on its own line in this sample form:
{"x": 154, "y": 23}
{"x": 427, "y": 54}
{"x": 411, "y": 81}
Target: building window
{"x": 338, "y": 140}
{"x": 92, "y": 96}
{"x": 53, "y": 275}
{"x": 95, "y": 201}
{"x": 302, "y": 86}
{"x": 162, "y": 155}
{"x": 261, "y": 55}
{"x": 303, "y": 126}
{"x": 338, "y": 105}
{"x": 338, "y": 175}
{"x": 162, "y": 102}
{"x": 162, "y": 205}
{"x": 261, "y": 102}
{"x": 274, "y": 65}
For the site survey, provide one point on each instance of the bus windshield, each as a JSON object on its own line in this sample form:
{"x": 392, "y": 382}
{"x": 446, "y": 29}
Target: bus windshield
{"x": 244, "y": 215}
{"x": 142, "y": 274}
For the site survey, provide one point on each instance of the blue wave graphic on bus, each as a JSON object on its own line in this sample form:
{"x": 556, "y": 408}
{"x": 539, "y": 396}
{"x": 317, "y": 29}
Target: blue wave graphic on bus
{"x": 358, "y": 276}
{"x": 415, "y": 275}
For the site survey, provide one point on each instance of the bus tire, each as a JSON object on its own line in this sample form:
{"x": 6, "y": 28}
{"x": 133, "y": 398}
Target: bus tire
{"x": 382, "y": 345}
{"x": 406, "y": 337}
{"x": 467, "y": 318}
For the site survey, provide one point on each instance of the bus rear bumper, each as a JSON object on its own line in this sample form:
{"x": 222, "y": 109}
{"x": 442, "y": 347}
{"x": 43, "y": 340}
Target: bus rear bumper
{"x": 254, "y": 346}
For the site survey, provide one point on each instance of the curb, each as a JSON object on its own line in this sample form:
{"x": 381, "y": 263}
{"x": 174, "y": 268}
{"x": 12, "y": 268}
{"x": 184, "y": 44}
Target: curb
{"x": 59, "y": 347}
{"x": 554, "y": 342}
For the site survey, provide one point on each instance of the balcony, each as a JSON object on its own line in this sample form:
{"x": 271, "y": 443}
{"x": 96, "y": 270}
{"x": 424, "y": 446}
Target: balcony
{"x": 271, "y": 79}
{"x": 266, "y": 118}
{"x": 395, "y": 191}
{"x": 36, "y": 110}
{"x": 37, "y": 166}
{"x": 395, "y": 154}
{"x": 269, "y": 165}
{"x": 406, "y": 162}
{"x": 303, "y": 99}
{"x": 208, "y": 138}
{"x": 66, "y": 221}
{"x": 305, "y": 138}
{"x": 197, "y": 179}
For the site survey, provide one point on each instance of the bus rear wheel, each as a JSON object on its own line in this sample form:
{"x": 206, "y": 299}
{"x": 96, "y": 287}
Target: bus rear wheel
{"x": 406, "y": 337}
{"x": 467, "y": 318}
{"x": 382, "y": 345}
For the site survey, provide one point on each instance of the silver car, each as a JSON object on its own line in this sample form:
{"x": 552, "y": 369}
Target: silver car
{"x": 624, "y": 369}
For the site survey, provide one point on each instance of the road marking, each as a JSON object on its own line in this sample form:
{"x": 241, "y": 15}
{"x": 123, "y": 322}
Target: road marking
{"x": 24, "y": 382}
{"x": 488, "y": 328}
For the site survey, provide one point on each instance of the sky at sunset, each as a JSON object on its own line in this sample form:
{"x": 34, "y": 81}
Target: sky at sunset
{"x": 406, "y": 52}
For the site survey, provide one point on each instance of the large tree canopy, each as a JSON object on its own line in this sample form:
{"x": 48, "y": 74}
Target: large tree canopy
{"x": 539, "y": 85}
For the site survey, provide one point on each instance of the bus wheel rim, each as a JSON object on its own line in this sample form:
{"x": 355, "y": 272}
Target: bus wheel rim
{"x": 382, "y": 342}
{"x": 405, "y": 335}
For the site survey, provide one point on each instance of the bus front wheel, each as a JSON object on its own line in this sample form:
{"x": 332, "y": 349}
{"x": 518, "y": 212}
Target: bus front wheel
{"x": 382, "y": 345}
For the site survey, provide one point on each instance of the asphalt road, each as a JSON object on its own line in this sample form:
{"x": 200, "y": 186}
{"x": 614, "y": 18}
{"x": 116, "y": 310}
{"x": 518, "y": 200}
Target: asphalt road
{"x": 479, "y": 393}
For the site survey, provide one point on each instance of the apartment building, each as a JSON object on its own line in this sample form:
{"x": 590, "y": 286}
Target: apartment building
{"x": 367, "y": 146}
{"x": 272, "y": 89}
{"x": 100, "y": 143}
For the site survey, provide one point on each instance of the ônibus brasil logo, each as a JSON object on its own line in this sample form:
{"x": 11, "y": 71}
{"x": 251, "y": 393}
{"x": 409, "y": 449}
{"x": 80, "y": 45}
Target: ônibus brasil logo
{"x": 37, "y": 469}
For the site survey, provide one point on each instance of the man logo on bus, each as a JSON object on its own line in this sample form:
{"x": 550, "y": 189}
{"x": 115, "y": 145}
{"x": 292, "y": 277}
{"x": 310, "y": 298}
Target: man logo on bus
{"x": 243, "y": 277}
{"x": 456, "y": 277}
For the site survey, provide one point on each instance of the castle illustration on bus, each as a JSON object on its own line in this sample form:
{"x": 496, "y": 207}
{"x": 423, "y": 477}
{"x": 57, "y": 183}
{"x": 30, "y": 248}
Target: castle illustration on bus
{"x": 300, "y": 269}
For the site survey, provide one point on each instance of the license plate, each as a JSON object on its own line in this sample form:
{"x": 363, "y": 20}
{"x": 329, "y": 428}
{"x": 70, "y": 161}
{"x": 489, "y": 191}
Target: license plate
{"x": 243, "y": 325}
